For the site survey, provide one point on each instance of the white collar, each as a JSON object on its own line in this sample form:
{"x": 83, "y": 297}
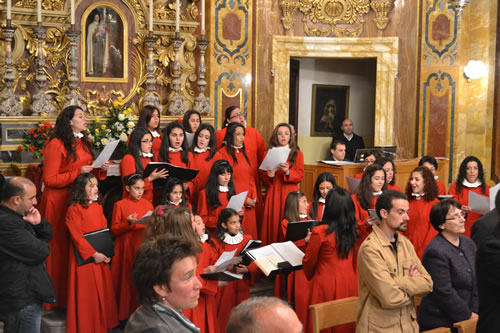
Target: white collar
{"x": 78, "y": 135}
{"x": 203, "y": 238}
{"x": 436, "y": 177}
{"x": 237, "y": 148}
{"x": 377, "y": 193}
{"x": 93, "y": 200}
{"x": 155, "y": 134}
{"x": 175, "y": 203}
{"x": 223, "y": 188}
{"x": 348, "y": 137}
{"x": 477, "y": 183}
{"x": 418, "y": 196}
{"x": 143, "y": 154}
{"x": 233, "y": 240}
{"x": 321, "y": 200}
{"x": 174, "y": 150}
{"x": 201, "y": 150}
{"x": 303, "y": 216}
{"x": 286, "y": 146}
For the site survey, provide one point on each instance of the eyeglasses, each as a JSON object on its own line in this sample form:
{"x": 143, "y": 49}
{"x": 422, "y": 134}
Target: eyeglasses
{"x": 238, "y": 115}
{"x": 458, "y": 216}
{"x": 146, "y": 141}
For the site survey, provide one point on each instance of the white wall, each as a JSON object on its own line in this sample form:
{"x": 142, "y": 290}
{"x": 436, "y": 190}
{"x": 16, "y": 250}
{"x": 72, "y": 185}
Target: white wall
{"x": 360, "y": 76}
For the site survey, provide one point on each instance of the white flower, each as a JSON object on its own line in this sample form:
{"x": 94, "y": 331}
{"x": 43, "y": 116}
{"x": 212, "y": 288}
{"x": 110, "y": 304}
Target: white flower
{"x": 124, "y": 137}
{"x": 121, "y": 117}
{"x": 130, "y": 124}
{"x": 104, "y": 141}
{"x": 133, "y": 117}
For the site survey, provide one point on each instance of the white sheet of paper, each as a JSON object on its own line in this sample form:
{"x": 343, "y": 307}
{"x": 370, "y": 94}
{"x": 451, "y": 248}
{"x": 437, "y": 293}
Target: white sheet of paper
{"x": 237, "y": 201}
{"x": 189, "y": 138}
{"x": 274, "y": 157}
{"x": 144, "y": 218}
{"x": 493, "y": 194}
{"x": 290, "y": 252}
{"x": 338, "y": 162}
{"x": 105, "y": 154}
{"x": 353, "y": 184}
{"x": 225, "y": 256}
{"x": 479, "y": 203}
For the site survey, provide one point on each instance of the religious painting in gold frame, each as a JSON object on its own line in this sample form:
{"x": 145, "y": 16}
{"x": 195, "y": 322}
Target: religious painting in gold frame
{"x": 104, "y": 44}
{"x": 330, "y": 106}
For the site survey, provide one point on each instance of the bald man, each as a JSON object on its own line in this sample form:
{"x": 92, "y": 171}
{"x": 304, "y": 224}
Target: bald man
{"x": 351, "y": 140}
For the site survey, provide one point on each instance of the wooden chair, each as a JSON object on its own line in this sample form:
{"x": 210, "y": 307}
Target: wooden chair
{"x": 334, "y": 313}
{"x": 438, "y": 330}
{"x": 466, "y": 326}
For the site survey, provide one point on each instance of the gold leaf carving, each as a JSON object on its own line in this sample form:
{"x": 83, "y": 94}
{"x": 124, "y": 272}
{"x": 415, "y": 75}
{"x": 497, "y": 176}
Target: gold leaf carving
{"x": 193, "y": 11}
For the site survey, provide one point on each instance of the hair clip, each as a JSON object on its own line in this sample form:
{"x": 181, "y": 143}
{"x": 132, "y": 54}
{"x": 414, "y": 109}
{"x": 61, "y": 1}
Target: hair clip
{"x": 160, "y": 212}
{"x": 132, "y": 176}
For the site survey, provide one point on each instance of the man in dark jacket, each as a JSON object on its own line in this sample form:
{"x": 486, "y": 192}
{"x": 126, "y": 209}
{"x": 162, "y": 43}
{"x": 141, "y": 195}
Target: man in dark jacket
{"x": 24, "y": 237}
{"x": 351, "y": 140}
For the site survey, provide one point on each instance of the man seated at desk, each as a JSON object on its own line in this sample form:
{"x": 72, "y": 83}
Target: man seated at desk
{"x": 350, "y": 139}
{"x": 337, "y": 150}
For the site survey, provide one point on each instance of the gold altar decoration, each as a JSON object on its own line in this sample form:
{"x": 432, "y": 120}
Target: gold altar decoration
{"x": 340, "y": 18}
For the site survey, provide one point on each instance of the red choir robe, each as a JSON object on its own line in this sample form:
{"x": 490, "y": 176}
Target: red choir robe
{"x": 441, "y": 188}
{"x": 243, "y": 181}
{"x": 463, "y": 198}
{"x": 198, "y": 161}
{"x": 128, "y": 238}
{"x": 188, "y": 205}
{"x": 91, "y": 297}
{"x": 420, "y": 231}
{"x": 58, "y": 175}
{"x": 204, "y": 314}
{"x": 319, "y": 214}
{"x": 331, "y": 277}
{"x": 157, "y": 144}
{"x": 359, "y": 175}
{"x": 394, "y": 187}
{"x": 127, "y": 167}
{"x": 176, "y": 159}
{"x": 234, "y": 292}
{"x": 298, "y": 286}
{"x": 207, "y": 213}
{"x": 361, "y": 215}
{"x": 278, "y": 188}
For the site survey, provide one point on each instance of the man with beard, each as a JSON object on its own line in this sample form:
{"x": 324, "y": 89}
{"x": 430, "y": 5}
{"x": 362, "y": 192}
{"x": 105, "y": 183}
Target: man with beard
{"x": 390, "y": 273}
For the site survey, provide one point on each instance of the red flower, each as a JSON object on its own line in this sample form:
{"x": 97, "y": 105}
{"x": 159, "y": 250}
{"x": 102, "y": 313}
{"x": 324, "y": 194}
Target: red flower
{"x": 179, "y": 120}
{"x": 31, "y": 131}
{"x": 35, "y": 136}
{"x": 19, "y": 148}
{"x": 46, "y": 143}
{"x": 32, "y": 148}
{"x": 46, "y": 124}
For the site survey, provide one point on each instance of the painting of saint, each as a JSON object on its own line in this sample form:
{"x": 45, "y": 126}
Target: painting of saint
{"x": 329, "y": 109}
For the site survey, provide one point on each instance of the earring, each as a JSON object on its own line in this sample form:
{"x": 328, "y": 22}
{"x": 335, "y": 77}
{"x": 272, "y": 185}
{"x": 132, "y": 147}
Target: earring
{"x": 163, "y": 299}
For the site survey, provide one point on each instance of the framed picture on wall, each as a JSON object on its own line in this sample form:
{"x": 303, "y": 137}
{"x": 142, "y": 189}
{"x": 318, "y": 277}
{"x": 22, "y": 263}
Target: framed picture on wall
{"x": 330, "y": 106}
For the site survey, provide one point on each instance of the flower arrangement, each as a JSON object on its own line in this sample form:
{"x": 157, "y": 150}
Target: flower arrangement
{"x": 37, "y": 138}
{"x": 120, "y": 124}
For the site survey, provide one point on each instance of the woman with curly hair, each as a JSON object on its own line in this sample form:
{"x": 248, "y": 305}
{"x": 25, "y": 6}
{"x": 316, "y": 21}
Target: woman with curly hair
{"x": 422, "y": 194}
{"x": 149, "y": 119}
{"x": 91, "y": 296}
{"x": 470, "y": 179}
{"x": 68, "y": 153}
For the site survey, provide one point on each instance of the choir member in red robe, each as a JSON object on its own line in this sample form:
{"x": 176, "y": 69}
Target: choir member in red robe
{"x": 430, "y": 163}
{"x": 422, "y": 194}
{"x": 138, "y": 157}
{"x": 280, "y": 182}
{"x": 298, "y": 286}
{"x": 470, "y": 179}
{"x": 204, "y": 315}
{"x": 203, "y": 150}
{"x": 371, "y": 186}
{"x": 173, "y": 195}
{"x": 67, "y": 154}
{"x": 390, "y": 172}
{"x": 234, "y": 151}
{"x": 229, "y": 237}
{"x": 128, "y": 237}
{"x": 324, "y": 183}
{"x": 330, "y": 258}
{"x": 215, "y": 196}
{"x": 191, "y": 121}
{"x": 91, "y": 296}
{"x": 149, "y": 118}
{"x": 368, "y": 159}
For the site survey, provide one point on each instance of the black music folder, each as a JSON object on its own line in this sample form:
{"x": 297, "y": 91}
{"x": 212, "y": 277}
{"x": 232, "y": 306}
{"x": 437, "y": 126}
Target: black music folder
{"x": 101, "y": 241}
{"x": 183, "y": 174}
{"x": 298, "y": 230}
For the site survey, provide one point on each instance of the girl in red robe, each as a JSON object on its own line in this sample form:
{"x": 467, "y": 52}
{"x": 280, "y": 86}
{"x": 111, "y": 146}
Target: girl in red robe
{"x": 422, "y": 194}
{"x": 91, "y": 296}
{"x": 173, "y": 195}
{"x": 203, "y": 150}
{"x": 430, "y": 163}
{"x": 215, "y": 196}
{"x": 203, "y": 315}
{"x": 149, "y": 118}
{"x": 234, "y": 152}
{"x": 330, "y": 258}
{"x": 280, "y": 182}
{"x": 138, "y": 157}
{"x": 191, "y": 121}
{"x": 298, "y": 286}
{"x": 128, "y": 237}
{"x": 371, "y": 186}
{"x": 229, "y": 236}
{"x": 67, "y": 154}
{"x": 390, "y": 172}
{"x": 470, "y": 179}
{"x": 324, "y": 183}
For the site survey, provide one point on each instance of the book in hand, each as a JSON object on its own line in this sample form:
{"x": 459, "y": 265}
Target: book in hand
{"x": 270, "y": 258}
{"x": 102, "y": 241}
{"x": 298, "y": 229}
{"x": 221, "y": 273}
{"x": 251, "y": 244}
{"x": 183, "y": 174}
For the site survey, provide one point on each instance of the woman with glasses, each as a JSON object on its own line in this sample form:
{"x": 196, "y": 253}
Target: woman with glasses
{"x": 450, "y": 260}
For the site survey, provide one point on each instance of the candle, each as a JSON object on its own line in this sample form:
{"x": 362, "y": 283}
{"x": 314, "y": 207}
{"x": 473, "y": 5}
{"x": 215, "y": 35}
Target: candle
{"x": 177, "y": 15}
{"x": 72, "y": 12}
{"x": 151, "y": 15}
{"x": 39, "y": 11}
{"x": 9, "y": 9}
{"x": 203, "y": 17}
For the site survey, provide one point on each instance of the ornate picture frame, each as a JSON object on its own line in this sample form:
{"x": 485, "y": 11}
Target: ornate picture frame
{"x": 104, "y": 44}
{"x": 330, "y": 106}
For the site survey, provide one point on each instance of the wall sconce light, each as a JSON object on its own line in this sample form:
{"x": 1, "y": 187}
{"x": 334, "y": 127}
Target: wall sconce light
{"x": 474, "y": 69}
{"x": 459, "y": 5}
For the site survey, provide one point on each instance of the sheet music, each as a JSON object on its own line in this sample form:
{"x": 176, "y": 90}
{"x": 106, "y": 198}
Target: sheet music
{"x": 144, "y": 218}
{"x": 338, "y": 162}
{"x": 479, "y": 203}
{"x": 237, "y": 201}
{"x": 290, "y": 252}
{"x": 274, "y": 157}
{"x": 105, "y": 154}
{"x": 225, "y": 257}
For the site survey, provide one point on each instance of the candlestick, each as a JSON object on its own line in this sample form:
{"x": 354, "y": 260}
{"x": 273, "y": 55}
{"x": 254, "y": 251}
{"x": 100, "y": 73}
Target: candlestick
{"x": 72, "y": 12}
{"x": 177, "y": 15}
{"x": 203, "y": 17}
{"x": 39, "y": 11}
{"x": 10, "y": 105}
{"x": 150, "y": 15}
{"x": 9, "y": 9}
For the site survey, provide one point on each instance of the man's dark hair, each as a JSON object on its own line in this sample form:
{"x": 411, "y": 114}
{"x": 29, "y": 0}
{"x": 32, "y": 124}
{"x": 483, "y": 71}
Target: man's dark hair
{"x": 15, "y": 187}
{"x": 385, "y": 200}
{"x": 439, "y": 211}
{"x": 335, "y": 143}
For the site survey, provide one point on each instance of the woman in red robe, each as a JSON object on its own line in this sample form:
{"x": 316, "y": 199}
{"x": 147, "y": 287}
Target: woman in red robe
{"x": 138, "y": 157}
{"x": 67, "y": 154}
{"x": 203, "y": 150}
{"x": 280, "y": 182}
{"x": 324, "y": 183}
{"x": 390, "y": 171}
{"x": 430, "y": 163}
{"x": 149, "y": 118}
{"x": 91, "y": 296}
{"x": 371, "y": 186}
{"x": 128, "y": 237}
{"x": 234, "y": 151}
{"x": 422, "y": 194}
{"x": 173, "y": 195}
{"x": 330, "y": 258}
{"x": 470, "y": 179}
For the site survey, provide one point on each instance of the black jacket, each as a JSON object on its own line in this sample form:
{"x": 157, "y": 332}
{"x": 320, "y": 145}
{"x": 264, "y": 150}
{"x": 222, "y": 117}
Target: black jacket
{"x": 23, "y": 249}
